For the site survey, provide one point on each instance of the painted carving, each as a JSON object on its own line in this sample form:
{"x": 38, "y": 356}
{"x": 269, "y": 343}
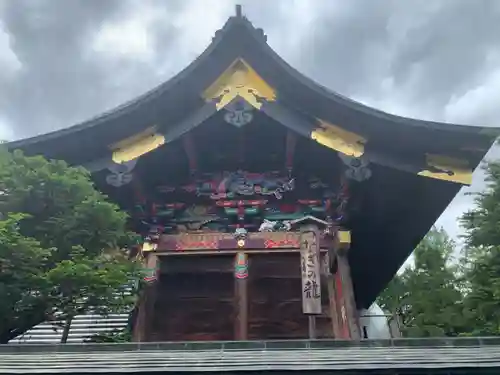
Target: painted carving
{"x": 339, "y": 139}
{"x": 150, "y": 275}
{"x": 199, "y": 241}
{"x": 150, "y": 270}
{"x": 448, "y": 169}
{"x": 281, "y": 242}
{"x": 239, "y": 81}
{"x": 241, "y": 183}
{"x": 254, "y": 214}
{"x": 238, "y": 113}
{"x": 275, "y": 226}
{"x": 131, "y": 148}
{"x": 241, "y": 266}
{"x": 357, "y": 168}
{"x": 244, "y": 183}
{"x": 240, "y": 234}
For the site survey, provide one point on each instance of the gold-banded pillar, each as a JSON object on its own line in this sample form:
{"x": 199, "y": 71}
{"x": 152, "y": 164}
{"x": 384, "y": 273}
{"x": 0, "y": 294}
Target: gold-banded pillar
{"x": 241, "y": 296}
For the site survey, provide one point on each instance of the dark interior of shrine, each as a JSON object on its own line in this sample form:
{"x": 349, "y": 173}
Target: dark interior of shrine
{"x": 217, "y": 146}
{"x": 387, "y": 214}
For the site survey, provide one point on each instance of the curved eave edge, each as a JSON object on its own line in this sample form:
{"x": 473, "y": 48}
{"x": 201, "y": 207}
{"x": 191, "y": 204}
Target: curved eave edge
{"x": 128, "y": 150}
{"x": 353, "y": 145}
{"x": 257, "y": 37}
{"x": 324, "y": 133}
{"x": 302, "y": 79}
{"x": 241, "y": 81}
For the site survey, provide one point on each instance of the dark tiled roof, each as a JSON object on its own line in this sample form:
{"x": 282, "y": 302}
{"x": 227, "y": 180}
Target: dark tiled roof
{"x": 252, "y": 356}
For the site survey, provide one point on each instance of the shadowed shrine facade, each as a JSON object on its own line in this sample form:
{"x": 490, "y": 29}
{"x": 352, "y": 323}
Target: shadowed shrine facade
{"x": 270, "y": 207}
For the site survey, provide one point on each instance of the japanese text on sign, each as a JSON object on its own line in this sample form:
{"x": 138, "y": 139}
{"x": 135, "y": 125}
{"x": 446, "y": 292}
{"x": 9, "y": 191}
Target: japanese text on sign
{"x": 310, "y": 267}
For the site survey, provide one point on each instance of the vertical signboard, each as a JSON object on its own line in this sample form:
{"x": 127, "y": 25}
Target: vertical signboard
{"x": 310, "y": 267}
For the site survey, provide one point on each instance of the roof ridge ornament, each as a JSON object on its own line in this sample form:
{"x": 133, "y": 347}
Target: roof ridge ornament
{"x": 238, "y": 9}
{"x": 239, "y": 80}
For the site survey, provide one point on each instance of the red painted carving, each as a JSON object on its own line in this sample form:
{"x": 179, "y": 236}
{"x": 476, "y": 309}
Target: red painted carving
{"x": 287, "y": 242}
{"x": 204, "y": 241}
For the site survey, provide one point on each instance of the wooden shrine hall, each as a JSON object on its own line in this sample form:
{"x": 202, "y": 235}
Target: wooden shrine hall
{"x": 270, "y": 207}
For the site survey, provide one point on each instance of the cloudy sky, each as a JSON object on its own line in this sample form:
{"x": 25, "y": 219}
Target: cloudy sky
{"x": 62, "y": 61}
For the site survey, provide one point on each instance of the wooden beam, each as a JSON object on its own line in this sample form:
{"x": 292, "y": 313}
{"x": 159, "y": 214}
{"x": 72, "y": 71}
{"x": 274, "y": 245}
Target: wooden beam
{"x": 145, "y": 310}
{"x": 190, "y": 149}
{"x": 226, "y": 251}
{"x": 138, "y": 189}
{"x": 349, "y": 303}
{"x": 139, "y": 330}
{"x": 291, "y": 143}
{"x": 332, "y": 302}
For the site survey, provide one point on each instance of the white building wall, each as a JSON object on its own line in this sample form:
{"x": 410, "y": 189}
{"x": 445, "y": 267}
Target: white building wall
{"x": 82, "y": 328}
{"x": 374, "y": 322}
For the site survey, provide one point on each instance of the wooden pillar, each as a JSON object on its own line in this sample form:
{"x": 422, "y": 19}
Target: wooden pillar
{"x": 332, "y": 302}
{"x": 241, "y": 296}
{"x": 138, "y": 332}
{"x": 311, "y": 275}
{"x": 344, "y": 288}
{"x": 145, "y": 309}
{"x": 328, "y": 279}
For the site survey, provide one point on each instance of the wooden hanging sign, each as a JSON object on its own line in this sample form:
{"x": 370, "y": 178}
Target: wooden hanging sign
{"x": 310, "y": 267}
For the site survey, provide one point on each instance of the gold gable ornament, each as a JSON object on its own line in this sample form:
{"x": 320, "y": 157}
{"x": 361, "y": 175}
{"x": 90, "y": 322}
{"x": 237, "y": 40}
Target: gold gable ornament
{"x": 239, "y": 80}
{"x": 447, "y": 169}
{"x": 338, "y": 139}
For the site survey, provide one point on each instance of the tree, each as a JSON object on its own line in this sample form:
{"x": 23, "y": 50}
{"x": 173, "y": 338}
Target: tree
{"x": 482, "y": 257}
{"x": 427, "y": 295}
{"x": 59, "y": 241}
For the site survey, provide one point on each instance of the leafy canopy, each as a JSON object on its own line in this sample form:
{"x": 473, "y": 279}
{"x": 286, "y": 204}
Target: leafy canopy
{"x": 482, "y": 257}
{"x": 427, "y": 295}
{"x": 59, "y": 245}
{"x": 437, "y": 296}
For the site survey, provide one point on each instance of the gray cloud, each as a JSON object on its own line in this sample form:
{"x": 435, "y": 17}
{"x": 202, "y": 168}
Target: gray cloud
{"x": 62, "y": 61}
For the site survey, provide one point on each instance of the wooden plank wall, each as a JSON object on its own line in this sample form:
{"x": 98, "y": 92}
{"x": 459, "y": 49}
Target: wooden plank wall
{"x": 197, "y": 299}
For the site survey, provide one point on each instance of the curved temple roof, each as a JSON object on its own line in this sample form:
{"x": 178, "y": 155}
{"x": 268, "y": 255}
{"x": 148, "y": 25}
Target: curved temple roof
{"x": 239, "y": 63}
{"x": 423, "y": 164}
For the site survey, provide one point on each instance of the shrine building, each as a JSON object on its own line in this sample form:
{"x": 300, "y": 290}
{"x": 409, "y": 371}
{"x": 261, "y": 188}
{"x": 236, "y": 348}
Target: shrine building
{"x": 270, "y": 207}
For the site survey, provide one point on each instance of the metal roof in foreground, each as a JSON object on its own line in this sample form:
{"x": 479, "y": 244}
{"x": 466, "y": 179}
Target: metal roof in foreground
{"x": 402, "y": 356}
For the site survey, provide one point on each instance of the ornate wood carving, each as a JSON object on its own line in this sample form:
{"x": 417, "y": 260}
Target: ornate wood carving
{"x": 239, "y": 81}
{"x": 227, "y": 241}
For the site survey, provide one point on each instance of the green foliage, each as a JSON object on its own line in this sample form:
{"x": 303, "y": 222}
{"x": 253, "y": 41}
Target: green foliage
{"x": 482, "y": 258}
{"x": 437, "y": 297}
{"x": 427, "y": 295}
{"x": 482, "y": 222}
{"x": 122, "y": 335}
{"x": 58, "y": 245}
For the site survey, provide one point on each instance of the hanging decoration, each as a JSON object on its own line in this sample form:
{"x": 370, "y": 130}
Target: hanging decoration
{"x": 238, "y": 113}
{"x": 357, "y": 168}
{"x": 120, "y": 173}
